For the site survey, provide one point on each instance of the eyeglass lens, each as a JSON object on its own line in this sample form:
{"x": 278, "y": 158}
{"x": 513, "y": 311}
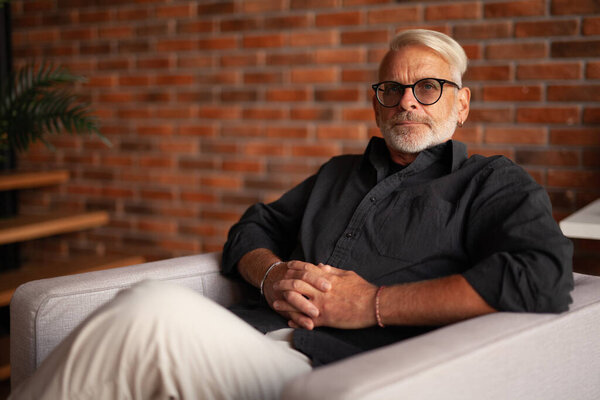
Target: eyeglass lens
{"x": 426, "y": 91}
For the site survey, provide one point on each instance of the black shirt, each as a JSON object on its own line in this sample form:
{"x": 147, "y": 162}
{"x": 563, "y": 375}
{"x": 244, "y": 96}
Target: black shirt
{"x": 443, "y": 214}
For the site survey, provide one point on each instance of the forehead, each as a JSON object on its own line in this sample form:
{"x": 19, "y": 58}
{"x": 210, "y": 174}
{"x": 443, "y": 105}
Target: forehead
{"x": 411, "y": 63}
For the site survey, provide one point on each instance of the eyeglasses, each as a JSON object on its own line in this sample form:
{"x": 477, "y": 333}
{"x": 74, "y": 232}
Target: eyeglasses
{"x": 427, "y": 91}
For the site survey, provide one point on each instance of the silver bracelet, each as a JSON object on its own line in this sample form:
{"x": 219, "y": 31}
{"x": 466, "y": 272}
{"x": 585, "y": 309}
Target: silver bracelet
{"x": 262, "y": 283}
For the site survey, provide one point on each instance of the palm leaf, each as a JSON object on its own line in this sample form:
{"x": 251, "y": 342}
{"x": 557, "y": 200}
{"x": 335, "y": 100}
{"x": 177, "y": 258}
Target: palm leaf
{"x": 36, "y": 101}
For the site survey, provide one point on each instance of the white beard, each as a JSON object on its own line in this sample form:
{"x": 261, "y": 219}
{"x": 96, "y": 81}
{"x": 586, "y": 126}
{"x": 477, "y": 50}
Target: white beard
{"x": 411, "y": 140}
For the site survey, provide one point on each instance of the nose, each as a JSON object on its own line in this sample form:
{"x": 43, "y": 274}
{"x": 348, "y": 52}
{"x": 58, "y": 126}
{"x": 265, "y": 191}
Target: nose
{"x": 408, "y": 100}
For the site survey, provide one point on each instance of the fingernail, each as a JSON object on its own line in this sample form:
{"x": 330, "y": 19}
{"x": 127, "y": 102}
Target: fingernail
{"x": 314, "y": 313}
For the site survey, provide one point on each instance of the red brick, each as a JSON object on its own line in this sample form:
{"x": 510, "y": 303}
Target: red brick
{"x": 575, "y": 7}
{"x": 195, "y": 26}
{"x": 155, "y": 130}
{"x": 240, "y": 24}
{"x": 239, "y": 60}
{"x": 288, "y": 95}
{"x": 193, "y": 61}
{"x": 311, "y": 4}
{"x": 548, "y": 115}
{"x": 229, "y": 95}
{"x": 516, "y": 50}
{"x": 313, "y": 38}
{"x": 215, "y": 8}
{"x": 218, "y": 112}
{"x": 226, "y": 181}
{"x": 577, "y": 48}
{"x": 513, "y": 135}
{"x": 132, "y": 14}
{"x": 196, "y": 96}
{"x": 176, "y": 45}
{"x": 79, "y": 34}
{"x": 263, "y": 77}
{"x": 337, "y": 95}
{"x": 549, "y": 71}
{"x": 547, "y": 157}
{"x": 454, "y": 11}
{"x": 574, "y": 93}
{"x": 152, "y": 30}
{"x": 573, "y": 178}
{"x": 297, "y": 132}
{"x": 313, "y": 75}
{"x": 593, "y": 70}
{"x": 261, "y": 41}
{"x": 469, "y": 135}
{"x": 315, "y": 150}
{"x": 360, "y": 75}
{"x": 197, "y": 130}
{"x": 512, "y": 93}
{"x": 288, "y": 22}
{"x": 351, "y": 132}
{"x": 488, "y": 73}
{"x": 263, "y": 149}
{"x": 218, "y": 43}
{"x": 591, "y": 158}
{"x": 312, "y": 114}
{"x": 578, "y": 136}
{"x": 591, "y": 115}
{"x": 260, "y": 6}
{"x": 243, "y": 166}
{"x": 116, "y": 97}
{"x": 264, "y": 113}
{"x": 244, "y": 130}
{"x": 174, "y": 79}
{"x": 365, "y": 37}
{"x": 394, "y": 15}
{"x": 547, "y": 28}
{"x": 591, "y": 26}
{"x": 93, "y": 16}
{"x": 515, "y": 8}
{"x": 358, "y": 114}
{"x": 301, "y": 58}
{"x": 338, "y": 19}
{"x": 134, "y": 80}
{"x": 340, "y": 56}
{"x": 170, "y": 11}
{"x": 133, "y": 46}
{"x": 501, "y": 115}
{"x": 487, "y": 30}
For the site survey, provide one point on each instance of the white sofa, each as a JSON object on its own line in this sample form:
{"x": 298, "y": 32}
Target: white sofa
{"x": 499, "y": 356}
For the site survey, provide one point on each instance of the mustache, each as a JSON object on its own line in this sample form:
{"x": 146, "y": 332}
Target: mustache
{"x": 408, "y": 116}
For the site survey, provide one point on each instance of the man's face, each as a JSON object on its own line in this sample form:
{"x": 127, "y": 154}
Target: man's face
{"x": 411, "y": 127}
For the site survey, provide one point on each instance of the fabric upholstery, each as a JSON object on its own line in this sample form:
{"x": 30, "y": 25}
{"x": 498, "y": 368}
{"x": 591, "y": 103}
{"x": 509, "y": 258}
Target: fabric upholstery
{"x": 498, "y": 356}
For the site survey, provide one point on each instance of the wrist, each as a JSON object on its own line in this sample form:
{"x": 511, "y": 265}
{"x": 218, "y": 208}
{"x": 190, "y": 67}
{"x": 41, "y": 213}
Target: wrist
{"x": 266, "y": 275}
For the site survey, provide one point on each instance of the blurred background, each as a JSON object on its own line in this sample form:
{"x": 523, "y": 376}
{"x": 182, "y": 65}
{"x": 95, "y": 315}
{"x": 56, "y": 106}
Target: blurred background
{"x": 214, "y": 105}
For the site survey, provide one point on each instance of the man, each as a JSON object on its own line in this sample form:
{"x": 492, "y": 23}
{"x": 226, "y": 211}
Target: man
{"x": 372, "y": 249}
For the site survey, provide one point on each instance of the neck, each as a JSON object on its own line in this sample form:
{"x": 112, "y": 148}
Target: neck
{"x": 402, "y": 158}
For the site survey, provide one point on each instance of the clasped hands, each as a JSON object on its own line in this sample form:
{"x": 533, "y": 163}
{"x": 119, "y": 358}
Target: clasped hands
{"x": 311, "y": 295}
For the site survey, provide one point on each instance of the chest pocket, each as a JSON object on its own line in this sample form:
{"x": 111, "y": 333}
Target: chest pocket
{"x": 418, "y": 228}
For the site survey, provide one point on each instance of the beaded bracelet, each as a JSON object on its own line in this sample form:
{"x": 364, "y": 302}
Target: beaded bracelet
{"x": 262, "y": 283}
{"x": 377, "y": 315}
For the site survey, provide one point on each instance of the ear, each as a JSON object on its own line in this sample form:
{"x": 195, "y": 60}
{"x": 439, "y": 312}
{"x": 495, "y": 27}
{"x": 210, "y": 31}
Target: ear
{"x": 464, "y": 99}
{"x": 375, "y": 109}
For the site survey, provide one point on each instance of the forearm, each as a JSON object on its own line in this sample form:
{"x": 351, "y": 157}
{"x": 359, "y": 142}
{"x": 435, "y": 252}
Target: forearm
{"x": 254, "y": 264}
{"x": 434, "y": 302}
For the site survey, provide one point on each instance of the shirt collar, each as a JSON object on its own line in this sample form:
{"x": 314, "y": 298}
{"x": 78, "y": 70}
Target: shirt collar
{"x": 452, "y": 153}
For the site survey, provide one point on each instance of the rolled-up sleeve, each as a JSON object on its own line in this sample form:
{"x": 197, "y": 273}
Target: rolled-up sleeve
{"x": 272, "y": 226}
{"x": 521, "y": 260}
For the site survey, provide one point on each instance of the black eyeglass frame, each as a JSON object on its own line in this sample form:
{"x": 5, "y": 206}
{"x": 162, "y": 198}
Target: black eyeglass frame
{"x": 412, "y": 87}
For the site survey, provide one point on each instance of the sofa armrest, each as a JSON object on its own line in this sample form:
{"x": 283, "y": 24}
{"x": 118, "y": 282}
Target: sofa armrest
{"x": 497, "y": 356}
{"x": 44, "y": 312}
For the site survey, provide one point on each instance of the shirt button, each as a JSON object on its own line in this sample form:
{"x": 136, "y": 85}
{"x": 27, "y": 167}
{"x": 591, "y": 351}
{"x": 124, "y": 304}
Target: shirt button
{"x": 373, "y": 199}
{"x": 349, "y": 235}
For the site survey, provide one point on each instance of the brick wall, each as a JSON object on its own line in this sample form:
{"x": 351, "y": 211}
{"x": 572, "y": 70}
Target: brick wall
{"x": 214, "y": 105}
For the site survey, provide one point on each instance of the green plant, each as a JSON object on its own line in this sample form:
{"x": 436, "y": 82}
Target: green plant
{"x": 37, "y": 100}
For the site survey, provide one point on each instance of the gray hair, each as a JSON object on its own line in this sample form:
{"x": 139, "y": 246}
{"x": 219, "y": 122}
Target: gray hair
{"x": 443, "y": 45}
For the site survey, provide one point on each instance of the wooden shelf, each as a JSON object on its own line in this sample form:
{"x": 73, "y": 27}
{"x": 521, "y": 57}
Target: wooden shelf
{"x": 28, "y": 227}
{"x": 4, "y": 357}
{"x": 10, "y": 280}
{"x": 26, "y": 180}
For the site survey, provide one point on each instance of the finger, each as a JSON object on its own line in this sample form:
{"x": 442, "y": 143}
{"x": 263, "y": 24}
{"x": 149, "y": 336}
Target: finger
{"x": 301, "y": 304}
{"x": 313, "y": 274}
{"x": 296, "y": 285}
{"x": 301, "y": 321}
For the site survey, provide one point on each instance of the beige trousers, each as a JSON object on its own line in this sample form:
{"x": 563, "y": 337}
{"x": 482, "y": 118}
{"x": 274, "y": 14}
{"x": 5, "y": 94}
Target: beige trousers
{"x": 163, "y": 341}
